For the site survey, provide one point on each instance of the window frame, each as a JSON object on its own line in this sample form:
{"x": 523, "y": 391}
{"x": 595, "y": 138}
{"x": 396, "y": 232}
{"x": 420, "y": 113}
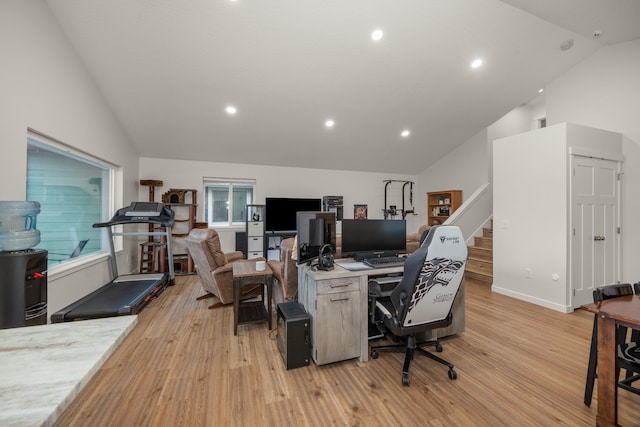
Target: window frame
{"x": 113, "y": 175}
{"x": 229, "y": 183}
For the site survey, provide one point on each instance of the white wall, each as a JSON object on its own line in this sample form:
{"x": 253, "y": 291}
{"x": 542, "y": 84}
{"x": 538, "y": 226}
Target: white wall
{"x": 604, "y": 92}
{"x": 354, "y": 187}
{"x": 530, "y": 216}
{"x": 464, "y": 168}
{"x": 45, "y": 87}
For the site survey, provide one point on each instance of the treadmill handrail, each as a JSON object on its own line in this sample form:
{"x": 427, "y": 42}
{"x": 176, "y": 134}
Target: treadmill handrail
{"x": 165, "y": 219}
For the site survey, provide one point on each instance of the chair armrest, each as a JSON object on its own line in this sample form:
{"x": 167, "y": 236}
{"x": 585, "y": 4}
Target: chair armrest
{"x": 227, "y": 268}
{"x": 234, "y": 256}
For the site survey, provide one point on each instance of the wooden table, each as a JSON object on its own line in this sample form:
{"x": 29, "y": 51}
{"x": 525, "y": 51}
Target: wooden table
{"x": 617, "y": 311}
{"x": 245, "y": 274}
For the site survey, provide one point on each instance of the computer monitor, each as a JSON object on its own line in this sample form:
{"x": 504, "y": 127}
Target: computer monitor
{"x": 371, "y": 238}
{"x": 281, "y": 212}
{"x": 314, "y": 230}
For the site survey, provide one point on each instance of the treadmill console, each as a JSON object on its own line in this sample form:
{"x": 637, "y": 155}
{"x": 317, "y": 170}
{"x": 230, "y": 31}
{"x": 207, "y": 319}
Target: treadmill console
{"x": 144, "y": 209}
{"x": 142, "y": 212}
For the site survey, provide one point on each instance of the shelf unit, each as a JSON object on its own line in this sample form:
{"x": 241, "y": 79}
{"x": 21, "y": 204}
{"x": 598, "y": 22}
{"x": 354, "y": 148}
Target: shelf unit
{"x": 441, "y": 204}
{"x": 185, "y": 220}
{"x": 255, "y": 231}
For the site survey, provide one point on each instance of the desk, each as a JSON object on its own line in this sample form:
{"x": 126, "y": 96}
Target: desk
{"x": 337, "y": 302}
{"x": 617, "y": 311}
{"x": 245, "y": 274}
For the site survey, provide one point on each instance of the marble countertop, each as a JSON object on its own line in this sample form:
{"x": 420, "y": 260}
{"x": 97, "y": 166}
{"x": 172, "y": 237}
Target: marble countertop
{"x": 43, "y": 368}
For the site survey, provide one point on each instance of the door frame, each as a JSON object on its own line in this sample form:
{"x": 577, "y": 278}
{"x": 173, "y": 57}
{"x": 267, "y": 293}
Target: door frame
{"x": 614, "y": 157}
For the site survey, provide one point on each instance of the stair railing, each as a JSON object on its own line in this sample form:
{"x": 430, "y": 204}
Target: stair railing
{"x": 474, "y": 213}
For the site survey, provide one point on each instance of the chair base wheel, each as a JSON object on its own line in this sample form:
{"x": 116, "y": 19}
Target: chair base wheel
{"x": 405, "y": 379}
{"x": 374, "y": 354}
{"x": 452, "y": 374}
{"x": 439, "y": 347}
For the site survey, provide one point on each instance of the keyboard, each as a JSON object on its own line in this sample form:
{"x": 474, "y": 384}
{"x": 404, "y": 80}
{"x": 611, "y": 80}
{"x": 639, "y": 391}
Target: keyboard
{"x": 385, "y": 262}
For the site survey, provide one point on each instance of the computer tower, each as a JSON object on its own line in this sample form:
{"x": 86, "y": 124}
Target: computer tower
{"x": 294, "y": 334}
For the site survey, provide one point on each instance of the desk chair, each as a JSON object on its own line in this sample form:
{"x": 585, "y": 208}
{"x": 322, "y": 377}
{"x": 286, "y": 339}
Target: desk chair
{"x": 423, "y": 299}
{"x": 628, "y": 352}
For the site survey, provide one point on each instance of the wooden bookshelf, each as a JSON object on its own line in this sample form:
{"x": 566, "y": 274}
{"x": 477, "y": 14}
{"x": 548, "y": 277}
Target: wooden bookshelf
{"x": 441, "y": 204}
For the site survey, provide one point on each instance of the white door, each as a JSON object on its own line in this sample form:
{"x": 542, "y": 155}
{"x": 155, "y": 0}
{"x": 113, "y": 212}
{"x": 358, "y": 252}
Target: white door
{"x": 595, "y": 205}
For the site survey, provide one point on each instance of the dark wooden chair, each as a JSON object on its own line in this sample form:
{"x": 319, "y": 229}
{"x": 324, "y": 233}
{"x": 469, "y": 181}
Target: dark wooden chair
{"x": 628, "y": 351}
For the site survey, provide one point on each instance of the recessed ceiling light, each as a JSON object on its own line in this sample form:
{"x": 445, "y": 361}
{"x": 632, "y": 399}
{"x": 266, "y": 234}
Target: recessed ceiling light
{"x": 405, "y": 133}
{"x": 329, "y": 123}
{"x": 476, "y": 63}
{"x": 377, "y": 34}
{"x": 540, "y": 90}
{"x": 231, "y": 110}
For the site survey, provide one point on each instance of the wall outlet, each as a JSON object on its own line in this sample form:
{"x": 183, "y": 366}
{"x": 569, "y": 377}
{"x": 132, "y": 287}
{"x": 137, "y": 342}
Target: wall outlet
{"x": 528, "y": 273}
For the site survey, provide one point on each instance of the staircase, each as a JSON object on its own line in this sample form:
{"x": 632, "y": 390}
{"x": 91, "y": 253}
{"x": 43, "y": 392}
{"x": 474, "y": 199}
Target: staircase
{"x": 480, "y": 262}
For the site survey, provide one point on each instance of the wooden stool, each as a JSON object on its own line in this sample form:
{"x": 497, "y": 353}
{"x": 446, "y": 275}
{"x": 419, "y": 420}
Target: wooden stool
{"x": 148, "y": 256}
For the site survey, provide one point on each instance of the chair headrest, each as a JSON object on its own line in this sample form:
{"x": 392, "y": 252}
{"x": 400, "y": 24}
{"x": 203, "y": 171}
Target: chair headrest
{"x": 209, "y": 240}
{"x": 202, "y": 234}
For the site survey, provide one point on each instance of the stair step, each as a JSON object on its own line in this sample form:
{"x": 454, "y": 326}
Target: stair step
{"x": 483, "y": 242}
{"x": 485, "y": 254}
{"x": 480, "y": 262}
{"x": 480, "y": 266}
{"x": 479, "y": 277}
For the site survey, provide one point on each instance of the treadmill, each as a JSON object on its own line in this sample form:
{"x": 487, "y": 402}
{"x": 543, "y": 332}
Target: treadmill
{"x": 127, "y": 294}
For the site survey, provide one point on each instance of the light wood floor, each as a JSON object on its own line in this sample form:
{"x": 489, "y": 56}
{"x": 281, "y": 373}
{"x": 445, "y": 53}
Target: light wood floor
{"x": 518, "y": 365}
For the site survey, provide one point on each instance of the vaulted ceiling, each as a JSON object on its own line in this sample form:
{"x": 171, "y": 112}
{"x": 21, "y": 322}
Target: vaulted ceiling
{"x": 169, "y": 69}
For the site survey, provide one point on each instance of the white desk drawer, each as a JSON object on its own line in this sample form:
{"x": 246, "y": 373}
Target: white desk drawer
{"x": 338, "y": 285}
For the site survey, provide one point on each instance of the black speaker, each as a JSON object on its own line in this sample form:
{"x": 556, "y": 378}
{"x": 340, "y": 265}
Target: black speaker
{"x": 241, "y": 242}
{"x": 294, "y": 334}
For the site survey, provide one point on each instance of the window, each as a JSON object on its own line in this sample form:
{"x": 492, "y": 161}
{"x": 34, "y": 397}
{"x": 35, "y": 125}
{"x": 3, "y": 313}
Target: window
{"x": 226, "y": 201}
{"x": 542, "y": 123}
{"x": 74, "y": 191}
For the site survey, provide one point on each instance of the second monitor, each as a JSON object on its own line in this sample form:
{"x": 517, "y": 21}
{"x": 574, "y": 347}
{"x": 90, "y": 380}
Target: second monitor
{"x": 373, "y": 238}
{"x": 314, "y": 230}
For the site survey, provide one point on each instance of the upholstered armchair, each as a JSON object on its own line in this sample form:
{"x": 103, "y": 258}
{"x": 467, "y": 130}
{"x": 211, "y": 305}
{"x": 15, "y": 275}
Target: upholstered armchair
{"x": 285, "y": 273}
{"x": 214, "y": 267}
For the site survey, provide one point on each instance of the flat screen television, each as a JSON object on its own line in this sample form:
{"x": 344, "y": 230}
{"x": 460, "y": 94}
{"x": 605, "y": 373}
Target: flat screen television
{"x": 281, "y": 212}
{"x": 314, "y": 230}
{"x": 370, "y": 238}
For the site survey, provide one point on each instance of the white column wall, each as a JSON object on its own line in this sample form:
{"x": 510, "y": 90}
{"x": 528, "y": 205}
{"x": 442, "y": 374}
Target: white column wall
{"x": 530, "y": 216}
